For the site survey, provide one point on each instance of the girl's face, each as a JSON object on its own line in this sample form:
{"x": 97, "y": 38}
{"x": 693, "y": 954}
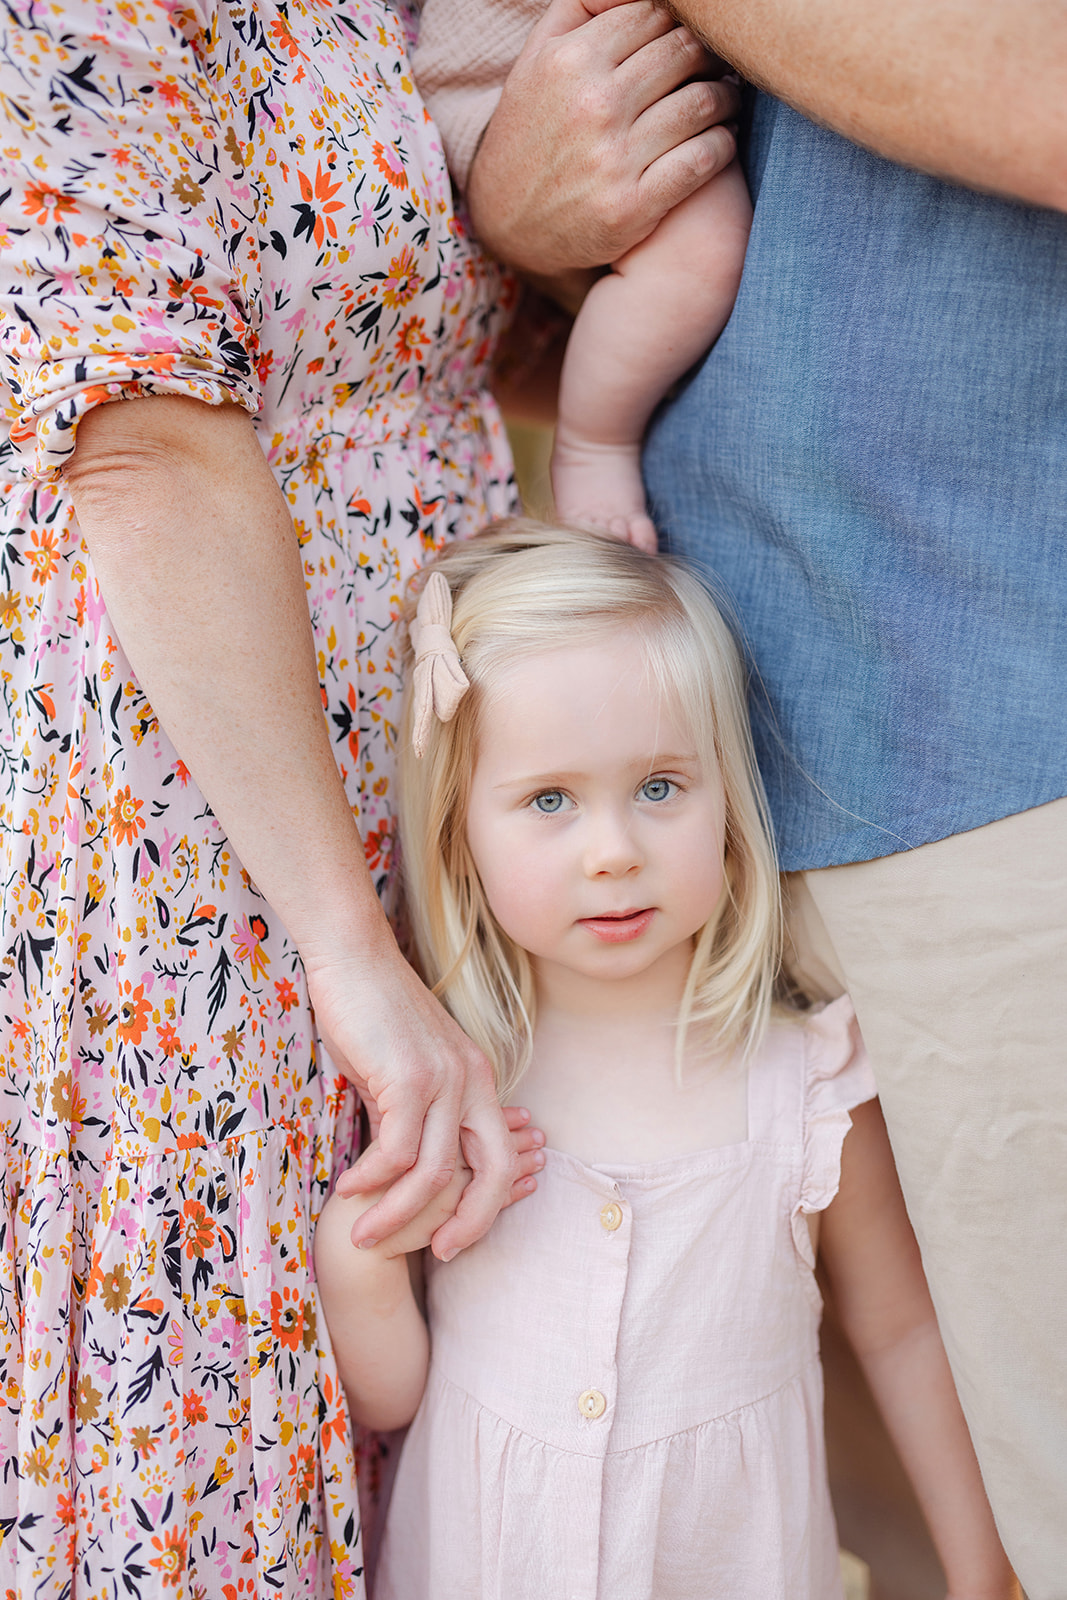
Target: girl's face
{"x": 596, "y": 830}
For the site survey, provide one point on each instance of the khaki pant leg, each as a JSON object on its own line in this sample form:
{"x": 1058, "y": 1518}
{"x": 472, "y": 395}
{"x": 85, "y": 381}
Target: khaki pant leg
{"x": 955, "y": 955}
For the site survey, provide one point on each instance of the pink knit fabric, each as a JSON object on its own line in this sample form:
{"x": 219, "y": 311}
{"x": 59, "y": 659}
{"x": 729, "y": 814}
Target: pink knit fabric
{"x": 465, "y": 51}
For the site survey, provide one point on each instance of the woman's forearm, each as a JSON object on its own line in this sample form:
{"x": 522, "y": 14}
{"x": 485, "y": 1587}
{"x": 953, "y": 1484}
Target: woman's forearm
{"x": 200, "y": 569}
{"x": 973, "y": 92}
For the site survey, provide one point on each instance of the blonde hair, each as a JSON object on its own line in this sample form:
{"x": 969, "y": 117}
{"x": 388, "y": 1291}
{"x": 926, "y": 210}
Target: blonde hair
{"x": 519, "y": 589}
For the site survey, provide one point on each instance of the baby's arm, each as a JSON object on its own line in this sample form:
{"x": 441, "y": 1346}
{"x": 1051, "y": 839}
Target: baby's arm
{"x": 641, "y": 327}
{"x": 377, "y": 1329}
{"x": 880, "y": 1294}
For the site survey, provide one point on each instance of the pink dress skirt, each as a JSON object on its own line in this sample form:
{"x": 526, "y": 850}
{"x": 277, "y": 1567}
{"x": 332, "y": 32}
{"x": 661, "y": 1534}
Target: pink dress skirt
{"x": 625, "y": 1397}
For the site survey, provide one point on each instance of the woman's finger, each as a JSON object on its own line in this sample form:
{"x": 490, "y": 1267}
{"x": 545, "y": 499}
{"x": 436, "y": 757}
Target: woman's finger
{"x": 411, "y": 1192}
{"x": 487, "y": 1148}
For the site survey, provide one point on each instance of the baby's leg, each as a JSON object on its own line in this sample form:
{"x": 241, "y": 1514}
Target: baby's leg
{"x": 641, "y": 327}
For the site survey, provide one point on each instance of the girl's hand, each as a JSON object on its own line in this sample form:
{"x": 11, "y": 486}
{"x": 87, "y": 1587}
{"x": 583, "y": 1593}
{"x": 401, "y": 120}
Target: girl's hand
{"x": 604, "y": 125}
{"x": 528, "y": 1145}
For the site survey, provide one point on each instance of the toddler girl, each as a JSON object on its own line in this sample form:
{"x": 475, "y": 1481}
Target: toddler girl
{"x": 623, "y": 1399}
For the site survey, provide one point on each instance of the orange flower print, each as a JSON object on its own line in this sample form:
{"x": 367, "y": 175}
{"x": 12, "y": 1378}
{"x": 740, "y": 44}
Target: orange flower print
{"x": 170, "y": 1561}
{"x": 193, "y": 1408}
{"x": 44, "y": 557}
{"x": 125, "y": 818}
{"x": 390, "y": 163}
{"x": 248, "y": 936}
{"x": 403, "y": 281}
{"x": 134, "y": 1012}
{"x": 412, "y": 339}
{"x": 287, "y": 996}
{"x": 279, "y": 32}
{"x": 199, "y": 1228}
{"x": 315, "y": 214}
{"x": 286, "y": 1318}
{"x": 378, "y": 846}
{"x": 168, "y": 1039}
{"x": 43, "y": 203}
{"x": 302, "y": 1472}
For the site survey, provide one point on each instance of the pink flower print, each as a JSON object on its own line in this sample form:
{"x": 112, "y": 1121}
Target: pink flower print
{"x": 248, "y": 936}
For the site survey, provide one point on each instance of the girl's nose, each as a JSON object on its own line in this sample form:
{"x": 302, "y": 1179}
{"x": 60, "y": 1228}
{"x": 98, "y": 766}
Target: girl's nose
{"x": 610, "y": 846}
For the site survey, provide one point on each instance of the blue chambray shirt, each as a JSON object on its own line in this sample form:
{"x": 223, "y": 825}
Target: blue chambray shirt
{"x": 873, "y": 463}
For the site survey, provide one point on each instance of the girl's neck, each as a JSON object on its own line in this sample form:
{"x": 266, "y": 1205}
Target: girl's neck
{"x": 603, "y": 1082}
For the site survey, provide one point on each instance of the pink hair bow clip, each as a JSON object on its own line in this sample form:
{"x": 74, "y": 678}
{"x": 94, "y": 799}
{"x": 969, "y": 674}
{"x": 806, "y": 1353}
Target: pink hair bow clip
{"x": 439, "y": 681}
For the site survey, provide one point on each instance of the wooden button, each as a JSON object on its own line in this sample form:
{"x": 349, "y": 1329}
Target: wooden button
{"x": 611, "y": 1217}
{"x": 592, "y": 1404}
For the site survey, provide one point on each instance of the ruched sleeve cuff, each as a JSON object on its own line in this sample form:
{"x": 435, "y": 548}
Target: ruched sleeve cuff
{"x": 57, "y": 394}
{"x": 838, "y": 1076}
{"x": 128, "y": 263}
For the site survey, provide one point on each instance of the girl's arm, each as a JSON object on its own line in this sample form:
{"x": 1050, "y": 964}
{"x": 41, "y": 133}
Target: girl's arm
{"x": 371, "y": 1297}
{"x": 881, "y": 1296}
{"x": 378, "y": 1333}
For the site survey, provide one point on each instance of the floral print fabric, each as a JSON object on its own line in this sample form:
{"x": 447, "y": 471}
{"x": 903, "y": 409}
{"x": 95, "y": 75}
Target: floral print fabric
{"x": 242, "y": 202}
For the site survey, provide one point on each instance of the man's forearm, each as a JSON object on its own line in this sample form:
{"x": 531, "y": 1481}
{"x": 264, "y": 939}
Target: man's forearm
{"x": 970, "y": 90}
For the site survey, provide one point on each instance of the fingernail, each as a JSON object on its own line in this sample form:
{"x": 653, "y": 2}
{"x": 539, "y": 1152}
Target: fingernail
{"x": 450, "y": 1255}
{"x": 539, "y": 1158}
{"x": 367, "y": 1244}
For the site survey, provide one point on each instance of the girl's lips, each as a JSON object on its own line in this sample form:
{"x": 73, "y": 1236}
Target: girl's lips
{"x": 620, "y": 929}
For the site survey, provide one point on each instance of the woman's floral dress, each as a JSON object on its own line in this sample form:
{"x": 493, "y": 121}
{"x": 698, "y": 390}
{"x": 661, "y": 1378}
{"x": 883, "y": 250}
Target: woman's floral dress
{"x": 243, "y": 201}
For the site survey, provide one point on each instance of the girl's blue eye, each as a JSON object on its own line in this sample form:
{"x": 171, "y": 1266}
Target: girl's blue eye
{"x": 550, "y": 802}
{"x": 659, "y": 789}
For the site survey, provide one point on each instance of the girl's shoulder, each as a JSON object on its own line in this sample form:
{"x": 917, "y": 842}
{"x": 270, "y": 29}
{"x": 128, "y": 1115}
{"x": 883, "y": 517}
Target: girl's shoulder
{"x": 821, "y": 1053}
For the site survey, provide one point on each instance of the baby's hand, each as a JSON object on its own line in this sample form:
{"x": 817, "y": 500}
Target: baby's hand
{"x": 599, "y": 486}
{"x": 527, "y": 1145}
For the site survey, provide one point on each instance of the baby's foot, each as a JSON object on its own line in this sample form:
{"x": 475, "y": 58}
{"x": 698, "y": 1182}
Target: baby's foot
{"x": 599, "y": 486}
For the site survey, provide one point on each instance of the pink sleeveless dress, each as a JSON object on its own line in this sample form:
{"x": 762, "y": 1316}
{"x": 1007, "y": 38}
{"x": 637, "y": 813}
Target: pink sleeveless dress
{"x": 625, "y": 1397}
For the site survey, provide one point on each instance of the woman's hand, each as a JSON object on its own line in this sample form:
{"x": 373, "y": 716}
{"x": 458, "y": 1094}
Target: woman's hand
{"x": 425, "y": 1080}
{"x": 526, "y": 1146}
{"x": 604, "y": 125}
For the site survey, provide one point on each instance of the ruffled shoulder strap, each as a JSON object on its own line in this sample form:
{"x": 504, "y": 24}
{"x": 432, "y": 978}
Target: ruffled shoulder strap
{"x": 837, "y": 1077}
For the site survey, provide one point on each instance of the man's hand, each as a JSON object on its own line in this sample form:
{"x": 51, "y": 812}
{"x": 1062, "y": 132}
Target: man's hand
{"x": 605, "y": 124}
